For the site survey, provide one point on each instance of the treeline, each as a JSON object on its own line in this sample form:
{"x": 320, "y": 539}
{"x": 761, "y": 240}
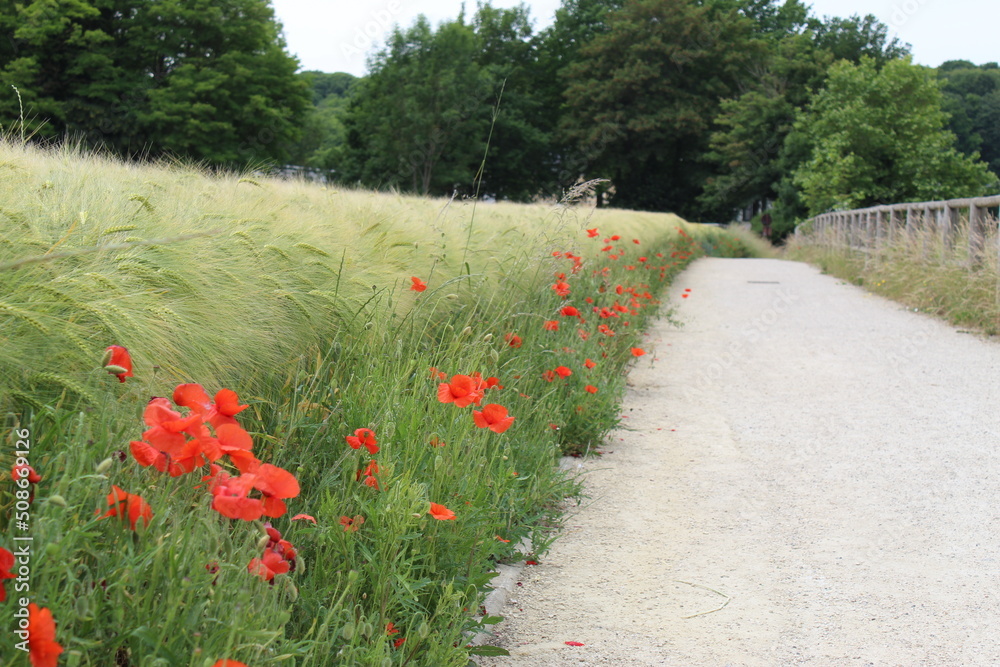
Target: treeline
{"x": 701, "y": 107}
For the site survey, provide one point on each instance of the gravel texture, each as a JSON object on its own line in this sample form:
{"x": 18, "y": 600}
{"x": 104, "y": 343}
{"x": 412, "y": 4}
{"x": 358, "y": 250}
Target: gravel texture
{"x": 819, "y": 460}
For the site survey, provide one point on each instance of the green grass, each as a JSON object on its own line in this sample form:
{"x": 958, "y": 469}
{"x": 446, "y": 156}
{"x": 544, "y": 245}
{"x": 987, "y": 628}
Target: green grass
{"x": 919, "y": 270}
{"x": 297, "y": 297}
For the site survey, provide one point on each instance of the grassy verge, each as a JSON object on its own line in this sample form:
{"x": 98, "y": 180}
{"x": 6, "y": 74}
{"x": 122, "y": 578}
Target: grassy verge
{"x": 300, "y": 299}
{"x": 920, "y": 269}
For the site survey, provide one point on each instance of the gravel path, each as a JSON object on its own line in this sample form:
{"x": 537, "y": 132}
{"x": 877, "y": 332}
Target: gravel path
{"x": 821, "y": 461}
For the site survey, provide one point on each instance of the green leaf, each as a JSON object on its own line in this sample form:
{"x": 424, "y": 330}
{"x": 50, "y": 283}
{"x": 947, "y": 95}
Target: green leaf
{"x": 488, "y": 650}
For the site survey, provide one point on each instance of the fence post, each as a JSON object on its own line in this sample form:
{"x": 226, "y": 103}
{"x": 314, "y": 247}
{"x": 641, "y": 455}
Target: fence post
{"x": 976, "y": 235}
{"x": 944, "y": 227}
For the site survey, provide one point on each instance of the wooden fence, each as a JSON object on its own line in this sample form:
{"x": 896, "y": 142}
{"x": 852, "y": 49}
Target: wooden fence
{"x": 866, "y": 229}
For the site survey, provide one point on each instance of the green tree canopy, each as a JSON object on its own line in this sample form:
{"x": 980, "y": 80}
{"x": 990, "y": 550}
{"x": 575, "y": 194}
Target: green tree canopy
{"x": 643, "y": 94}
{"x": 972, "y": 100}
{"x": 208, "y": 79}
{"x": 418, "y": 120}
{"x": 878, "y": 137}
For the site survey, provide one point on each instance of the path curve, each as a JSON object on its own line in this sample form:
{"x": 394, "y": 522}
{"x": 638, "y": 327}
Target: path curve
{"x": 818, "y": 459}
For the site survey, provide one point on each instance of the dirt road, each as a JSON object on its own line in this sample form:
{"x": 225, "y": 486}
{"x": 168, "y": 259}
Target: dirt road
{"x": 818, "y": 460}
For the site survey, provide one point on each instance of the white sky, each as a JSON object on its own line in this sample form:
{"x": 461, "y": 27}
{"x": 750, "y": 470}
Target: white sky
{"x": 336, "y": 36}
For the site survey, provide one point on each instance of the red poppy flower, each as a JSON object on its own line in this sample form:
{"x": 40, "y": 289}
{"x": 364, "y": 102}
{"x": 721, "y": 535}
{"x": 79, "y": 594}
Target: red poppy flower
{"x": 561, "y": 288}
{"x": 399, "y": 642}
{"x": 6, "y": 564}
{"x": 590, "y": 363}
{"x": 638, "y": 351}
{"x": 229, "y": 663}
{"x": 307, "y": 517}
{"x": 279, "y": 546}
{"x": 351, "y": 524}
{"x": 563, "y": 372}
{"x": 615, "y": 237}
{"x": 118, "y": 362}
{"x": 436, "y": 441}
{"x": 685, "y": 295}
{"x": 268, "y": 566}
{"x": 128, "y": 505}
{"x": 275, "y": 484}
{"x": 513, "y": 339}
{"x": 222, "y": 411}
{"x": 187, "y": 459}
{"x": 605, "y": 329}
{"x": 231, "y": 497}
{"x": 363, "y": 436}
{"x": 418, "y": 285}
{"x": 234, "y": 442}
{"x": 570, "y": 311}
{"x": 549, "y": 376}
{"x": 390, "y": 628}
{"x": 551, "y": 325}
{"x": 369, "y": 475}
{"x": 592, "y": 233}
{"x": 441, "y": 513}
{"x": 494, "y": 417}
{"x": 463, "y": 391}
{"x": 23, "y": 470}
{"x": 42, "y": 646}
{"x": 635, "y": 241}
{"x": 590, "y": 388}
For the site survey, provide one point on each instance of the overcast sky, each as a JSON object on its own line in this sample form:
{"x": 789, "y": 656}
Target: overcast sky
{"x": 335, "y": 36}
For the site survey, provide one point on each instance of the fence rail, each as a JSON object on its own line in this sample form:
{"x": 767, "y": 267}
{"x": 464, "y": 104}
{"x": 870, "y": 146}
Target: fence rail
{"x": 866, "y": 229}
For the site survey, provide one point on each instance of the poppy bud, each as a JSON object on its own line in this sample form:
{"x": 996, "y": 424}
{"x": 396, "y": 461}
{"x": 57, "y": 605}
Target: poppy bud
{"x": 494, "y": 355}
{"x": 293, "y": 592}
{"x": 386, "y": 662}
{"x": 263, "y": 542}
{"x": 115, "y": 370}
{"x": 438, "y": 461}
{"x": 352, "y": 576}
{"x": 103, "y": 466}
{"x": 487, "y": 338}
{"x": 52, "y": 550}
{"x": 347, "y": 632}
{"x": 423, "y": 630}
{"x": 57, "y": 500}
{"x": 300, "y": 565}
{"x": 108, "y": 353}
{"x": 82, "y": 607}
{"x": 467, "y": 331}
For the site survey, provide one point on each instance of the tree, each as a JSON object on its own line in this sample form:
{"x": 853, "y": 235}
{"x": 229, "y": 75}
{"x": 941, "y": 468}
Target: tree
{"x": 972, "y": 99}
{"x": 878, "y": 137}
{"x": 223, "y": 88}
{"x": 642, "y": 97}
{"x": 519, "y": 164}
{"x": 856, "y": 37}
{"x": 201, "y": 78}
{"x": 323, "y": 131}
{"x": 418, "y": 120}
{"x": 750, "y": 148}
